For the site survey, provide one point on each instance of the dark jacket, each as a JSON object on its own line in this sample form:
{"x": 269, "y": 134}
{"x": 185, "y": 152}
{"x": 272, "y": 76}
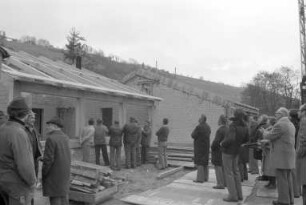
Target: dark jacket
{"x": 56, "y": 165}
{"x": 162, "y": 133}
{"x": 237, "y": 135}
{"x": 131, "y": 133}
{"x": 17, "y": 174}
{"x": 36, "y": 146}
{"x": 115, "y": 133}
{"x": 146, "y": 136}
{"x": 100, "y": 133}
{"x": 201, "y": 136}
{"x": 216, "y": 153}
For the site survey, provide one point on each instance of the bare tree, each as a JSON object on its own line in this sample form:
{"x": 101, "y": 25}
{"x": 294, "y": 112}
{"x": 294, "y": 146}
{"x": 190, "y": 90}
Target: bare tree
{"x": 270, "y": 90}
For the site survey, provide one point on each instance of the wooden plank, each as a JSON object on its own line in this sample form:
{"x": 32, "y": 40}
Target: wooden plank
{"x": 86, "y": 165}
{"x": 169, "y": 172}
{"x": 93, "y": 198}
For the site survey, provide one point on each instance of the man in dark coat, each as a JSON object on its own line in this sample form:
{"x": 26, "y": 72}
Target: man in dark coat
{"x": 17, "y": 173}
{"x": 34, "y": 139}
{"x": 237, "y": 135}
{"x": 162, "y": 137}
{"x": 100, "y": 142}
{"x": 145, "y": 141}
{"x": 56, "y": 164}
{"x": 131, "y": 135}
{"x": 115, "y": 143}
{"x": 216, "y": 154}
{"x": 201, "y": 136}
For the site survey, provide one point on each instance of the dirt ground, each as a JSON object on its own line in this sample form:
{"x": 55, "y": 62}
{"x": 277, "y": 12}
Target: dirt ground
{"x": 139, "y": 180}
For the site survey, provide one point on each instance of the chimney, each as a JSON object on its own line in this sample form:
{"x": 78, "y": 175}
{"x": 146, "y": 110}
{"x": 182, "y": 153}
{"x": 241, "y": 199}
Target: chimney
{"x": 78, "y": 63}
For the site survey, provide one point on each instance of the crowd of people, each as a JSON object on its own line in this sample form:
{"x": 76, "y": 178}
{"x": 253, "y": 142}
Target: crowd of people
{"x": 134, "y": 138}
{"x": 20, "y": 153}
{"x": 278, "y": 142}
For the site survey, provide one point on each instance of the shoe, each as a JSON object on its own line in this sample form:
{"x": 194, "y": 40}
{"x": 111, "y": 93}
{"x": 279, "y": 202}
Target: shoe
{"x": 297, "y": 196}
{"x": 230, "y": 200}
{"x": 271, "y": 186}
{"x": 218, "y": 187}
{"x": 196, "y": 181}
{"x": 254, "y": 173}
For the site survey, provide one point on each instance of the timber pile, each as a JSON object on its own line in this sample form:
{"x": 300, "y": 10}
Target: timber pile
{"x": 177, "y": 155}
{"x": 92, "y": 183}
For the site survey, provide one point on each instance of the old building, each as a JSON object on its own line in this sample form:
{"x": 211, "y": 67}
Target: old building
{"x": 55, "y": 88}
{"x": 184, "y": 100}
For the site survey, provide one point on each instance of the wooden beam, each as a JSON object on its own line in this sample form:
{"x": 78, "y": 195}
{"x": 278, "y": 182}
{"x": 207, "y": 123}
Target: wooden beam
{"x": 169, "y": 172}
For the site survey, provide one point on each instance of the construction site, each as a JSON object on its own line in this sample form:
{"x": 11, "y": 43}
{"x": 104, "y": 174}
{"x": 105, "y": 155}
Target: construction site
{"x": 76, "y": 94}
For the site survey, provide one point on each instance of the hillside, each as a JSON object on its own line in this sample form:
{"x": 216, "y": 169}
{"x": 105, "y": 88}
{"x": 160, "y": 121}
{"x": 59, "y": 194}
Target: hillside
{"x": 117, "y": 70}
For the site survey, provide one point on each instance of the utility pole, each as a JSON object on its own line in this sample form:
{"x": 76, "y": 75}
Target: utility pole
{"x": 303, "y": 49}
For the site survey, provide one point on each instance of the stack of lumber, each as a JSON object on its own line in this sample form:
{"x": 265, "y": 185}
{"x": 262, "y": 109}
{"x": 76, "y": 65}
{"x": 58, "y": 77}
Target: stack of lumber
{"x": 91, "y": 183}
{"x": 176, "y": 155}
{"x": 89, "y": 178}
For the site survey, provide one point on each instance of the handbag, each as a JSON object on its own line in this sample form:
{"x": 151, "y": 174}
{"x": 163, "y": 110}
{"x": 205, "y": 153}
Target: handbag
{"x": 257, "y": 153}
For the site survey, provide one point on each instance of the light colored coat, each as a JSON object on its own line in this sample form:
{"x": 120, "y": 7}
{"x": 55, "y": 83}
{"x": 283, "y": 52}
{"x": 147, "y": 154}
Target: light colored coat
{"x": 282, "y": 139}
{"x": 301, "y": 152}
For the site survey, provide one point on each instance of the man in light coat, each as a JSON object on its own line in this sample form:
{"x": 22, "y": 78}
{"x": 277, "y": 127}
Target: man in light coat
{"x": 17, "y": 173}
{"x": 282, "y": 137}
{"x": 87, "y": 138}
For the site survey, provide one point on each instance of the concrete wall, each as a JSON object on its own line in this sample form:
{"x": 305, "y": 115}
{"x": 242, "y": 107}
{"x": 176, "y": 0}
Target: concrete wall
{"x": 183, "y": 112}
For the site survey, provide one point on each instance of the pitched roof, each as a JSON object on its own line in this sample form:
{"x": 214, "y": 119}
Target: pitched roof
{"x": 25, "y": 67}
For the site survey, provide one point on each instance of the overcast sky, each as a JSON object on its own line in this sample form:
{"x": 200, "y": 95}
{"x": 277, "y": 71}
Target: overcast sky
{"x": 225, "y": 41}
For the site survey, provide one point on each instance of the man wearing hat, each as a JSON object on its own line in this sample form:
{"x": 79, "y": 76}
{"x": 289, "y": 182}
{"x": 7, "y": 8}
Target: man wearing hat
{"x": 282, "y": 137}
{"x": 17, "y": 173}
{"x": 56, "y": 164}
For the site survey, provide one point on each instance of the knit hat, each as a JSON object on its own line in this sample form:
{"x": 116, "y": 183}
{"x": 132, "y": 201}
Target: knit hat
{"x": 56, "y": 121}
{"x": 18, "y": 104}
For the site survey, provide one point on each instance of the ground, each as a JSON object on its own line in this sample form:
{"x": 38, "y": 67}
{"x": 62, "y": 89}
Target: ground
{"x": 138, "y": 180}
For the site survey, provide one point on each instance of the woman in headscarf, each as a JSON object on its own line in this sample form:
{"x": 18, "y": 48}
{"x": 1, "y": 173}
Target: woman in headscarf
{"x": 201, "y": 136}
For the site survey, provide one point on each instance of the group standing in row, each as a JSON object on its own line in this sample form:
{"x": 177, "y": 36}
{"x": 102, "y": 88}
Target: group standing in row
{"x": 135, "y": 139}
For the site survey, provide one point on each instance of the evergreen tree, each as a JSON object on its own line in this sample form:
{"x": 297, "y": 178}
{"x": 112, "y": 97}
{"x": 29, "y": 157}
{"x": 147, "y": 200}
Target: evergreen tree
{"x": 75, "y": 46}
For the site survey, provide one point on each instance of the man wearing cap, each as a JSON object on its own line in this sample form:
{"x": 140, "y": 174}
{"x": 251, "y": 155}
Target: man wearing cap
{"x": 282, "y": 137}
{"x": 56, "y": 164}
{"x": 131, "y": 133}
{"x": 17, "y": 173}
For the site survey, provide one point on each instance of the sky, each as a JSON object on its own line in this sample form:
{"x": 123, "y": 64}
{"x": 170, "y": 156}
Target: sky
{"x": 226, "y": 41}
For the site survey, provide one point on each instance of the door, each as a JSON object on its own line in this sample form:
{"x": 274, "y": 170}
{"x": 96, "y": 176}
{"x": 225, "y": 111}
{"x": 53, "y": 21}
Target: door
{"x": 107, "y": 116}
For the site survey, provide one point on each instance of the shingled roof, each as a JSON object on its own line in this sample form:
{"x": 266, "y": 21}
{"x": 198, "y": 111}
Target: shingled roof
{"x": 25, "y": 67}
